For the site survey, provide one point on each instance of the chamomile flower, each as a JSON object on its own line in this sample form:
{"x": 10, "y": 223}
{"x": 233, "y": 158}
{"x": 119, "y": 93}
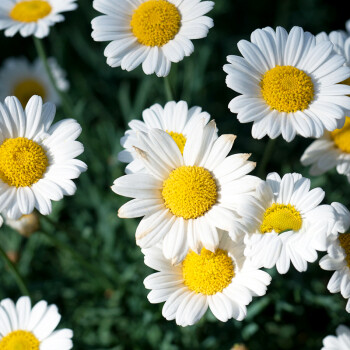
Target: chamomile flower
{"x": 338, "y": 257}
{"x": 289, "y": 84}
{"x": 23, "y": 79}
{"x": 37, "y": 159}
{"x": 222, "y": 280}
{"x": 186, "y": 198}
{"x": 339, "y": 342}
{"x": 32, "y": 17}
{"x": 291, "y": 223}
{"x": 24, "y": 327}
{"x": 175, "y": 118}
{"x": 153, "y": 33}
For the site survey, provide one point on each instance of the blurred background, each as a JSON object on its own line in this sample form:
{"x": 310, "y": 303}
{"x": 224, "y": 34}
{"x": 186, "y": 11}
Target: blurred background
{"x": 104, "y": 301}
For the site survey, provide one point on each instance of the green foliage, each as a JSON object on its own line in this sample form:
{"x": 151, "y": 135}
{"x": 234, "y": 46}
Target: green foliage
{"x": 106, "y": 303}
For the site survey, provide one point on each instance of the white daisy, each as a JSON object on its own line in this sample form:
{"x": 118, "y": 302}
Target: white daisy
{"x": 340, "y": 342}
{"x": 23, "y": 79}
{"x": 36, "y": 158}
{"x": 338, "y": 257}
{"x": 25, "y": 225}
{"x": 32, "y": 17}
{"x": 24, "y": 327}
{"x": 185, "y": 199}
{"x": 289, "y": 84}
{"x": 153, "y": 33}
{"x": 175, "y": 118}
{"x": 223, "y": 280}
{"x": 291, "y": 223}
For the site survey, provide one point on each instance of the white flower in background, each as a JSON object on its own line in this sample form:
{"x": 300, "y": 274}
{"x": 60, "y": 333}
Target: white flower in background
{"x": 25, "y": 328}
{"x": 338, "y": 257}
{"x": 32, "y": 17}
{"x": 292, "y": 225}
{"x": 153, "y": 33}
{"x": 37, "y": 162}
{"x": 340, "y": 342}
{"x": 186, "y": 198}
{"x": 25, "y": 225}
{"x": 23, "y": 79}
{"x": 332, "y": 150}
{"x": 289, "y": 84}
{"x": 221, "y": 279}
{"x": 175, "y": 118}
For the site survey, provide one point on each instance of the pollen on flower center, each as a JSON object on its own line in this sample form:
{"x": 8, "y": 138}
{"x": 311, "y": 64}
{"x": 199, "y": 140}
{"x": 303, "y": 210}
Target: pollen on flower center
{"x": 179, "y": 139}
{"x": 189, "y": 192}
{"x": 287, "y": 89}
{"x": 344, "y": 240}
{"x": 155, "y": 22}
{"x": 30, "y": 11}
{"x": 208, "y": 273}
{"x": 341, "y": 137}
{"x": 280, "y": 218}
{"x": 19, "y": 340}
{"x": 23, "y": 162}
{"x": 25, "y": 89}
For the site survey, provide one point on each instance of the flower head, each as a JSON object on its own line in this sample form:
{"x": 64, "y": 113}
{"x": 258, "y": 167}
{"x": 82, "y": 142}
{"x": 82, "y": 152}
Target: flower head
{"x": 339, "y": 342}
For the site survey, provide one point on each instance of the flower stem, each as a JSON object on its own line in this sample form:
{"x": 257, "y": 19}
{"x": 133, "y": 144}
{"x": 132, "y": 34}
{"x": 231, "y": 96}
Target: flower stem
{"x": 67, "y": 106}
{"x": 65, "y": 247}
{"x": 15, "y": 273}
{"x": 168, "y": 90}
{"x": 266, "y": 158}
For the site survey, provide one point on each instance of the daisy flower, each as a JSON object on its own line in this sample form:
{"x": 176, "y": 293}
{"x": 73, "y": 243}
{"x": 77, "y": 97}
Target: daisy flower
{"x": 24, "y": 327}
{"x": 175, "y": 118}
{"x": 221, "y": 279}
{"x": 25, "y": 225}
{"x": 338, "y": 255}
{"x": 37, "y": 162}
{"x": 289, "y": 84}
{"x": 185, "y": 199}
{"x": 32, "y": 17}
{"x": 340, "y": 342}
{"x": 23, "y": 79}
{"x": 291, "y": 223}
{"x": 153, "y": 33}
{"x": 332, "y": 150}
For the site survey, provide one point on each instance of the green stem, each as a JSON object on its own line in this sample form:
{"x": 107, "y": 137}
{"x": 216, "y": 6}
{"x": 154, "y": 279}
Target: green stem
{"x": 266, "y": 158}
{"x": 15, "y": 273}
{"x": 67, "y": 106}
{"x": 65, "y": 247}
{"x": 168, "y": 91}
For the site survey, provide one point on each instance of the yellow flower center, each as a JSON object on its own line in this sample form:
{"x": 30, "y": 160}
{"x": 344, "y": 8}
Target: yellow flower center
{"x": 280, "y": 218}
{"x": 189, "y": 192}
{"x": 287, "y": 89}
{"x": 22, "y": 162}
{"x": 341, "y": 137}
{"x": 207, "y": 273}
{"x": 344, "y": 240}
{"x": 25, "y": 89}
{"x": 30, "y": 11}
{"x": 19, "y": 340}
{"x": 179, "y": 139}
{"x": 155, "y": 22}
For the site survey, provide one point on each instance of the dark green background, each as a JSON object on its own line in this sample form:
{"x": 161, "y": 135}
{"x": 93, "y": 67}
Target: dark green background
{"x": 297, "y": 312}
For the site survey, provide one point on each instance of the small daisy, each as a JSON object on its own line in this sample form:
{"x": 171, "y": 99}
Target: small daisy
{"x": 32, "y": 17}
{"x": 340, "y": 342}
{"x": 25, "y": 225}
{"x": 175, "y": 118}
{"x": 37, "y": 159}
{"x": 153, "y": 33}
{"x": 23, "y": 79}
{"x": 291, "y": 223}
{"x": 25, "y": 328}
{"x": 221, "y": 279}
{"x": 338, "y": 257}
{"x": 185, "y": 199}
{"x": 289, "y": 84}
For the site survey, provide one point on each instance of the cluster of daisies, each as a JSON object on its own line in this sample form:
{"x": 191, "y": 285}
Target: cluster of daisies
{"x": 208, "y": 227}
